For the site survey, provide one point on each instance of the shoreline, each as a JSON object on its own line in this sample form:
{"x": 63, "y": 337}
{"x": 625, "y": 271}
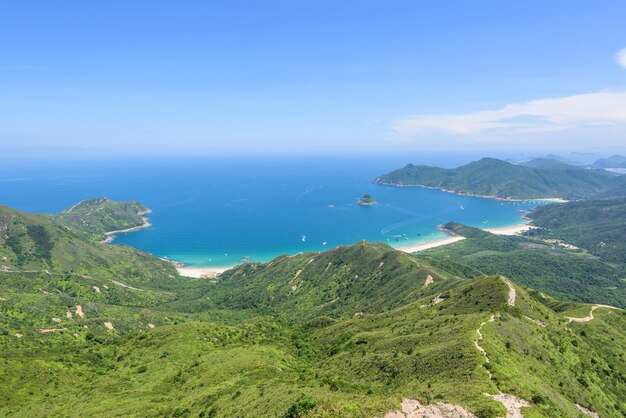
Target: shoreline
{"x": 209, "y": 272}
{"x": 201, "y": 272}
{"x": 515, "y": 229}
{"x": 504, "y": 199}
{"x": 421, "y": 246}
{"x": 110, "y": 235}
{"x": 510, "y": 230}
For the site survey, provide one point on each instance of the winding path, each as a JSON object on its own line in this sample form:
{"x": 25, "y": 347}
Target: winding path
{"x": 512, "y": 293}
{"x": 590, "y": 316}
{"x": 512, "y": 403}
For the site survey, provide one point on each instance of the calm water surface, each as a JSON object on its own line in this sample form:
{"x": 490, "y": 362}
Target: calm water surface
{"x": 217, "y": 211}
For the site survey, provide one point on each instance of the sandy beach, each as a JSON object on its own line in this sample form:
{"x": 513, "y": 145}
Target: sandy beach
{"x": 213, "y": 272}
{"x": 509, "y": 230}
{"x": 501, "y": 230}
{"x": 421, "y": 246}
{"x": 202, "y": 272}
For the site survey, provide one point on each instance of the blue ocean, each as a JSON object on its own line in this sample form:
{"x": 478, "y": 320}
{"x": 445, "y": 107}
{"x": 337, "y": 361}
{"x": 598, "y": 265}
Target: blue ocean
{"x": 219, "y": 211}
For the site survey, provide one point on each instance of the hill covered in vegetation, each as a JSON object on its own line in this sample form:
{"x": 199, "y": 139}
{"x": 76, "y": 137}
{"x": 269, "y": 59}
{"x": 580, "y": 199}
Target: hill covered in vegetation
{"x": 542, "y": 178}
{"x": 357, "y": 331}
{"x": 544, "y": 263}
{"x": 598, "y": 226}
{"x": 97, "y": 217}
{"x": 615, "y": 161}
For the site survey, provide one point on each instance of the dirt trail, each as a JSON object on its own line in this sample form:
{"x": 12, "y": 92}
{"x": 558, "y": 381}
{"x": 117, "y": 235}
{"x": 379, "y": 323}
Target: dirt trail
{"x": 587, "y": 411}
{"x": 480, "y": 337}
{"x": 126, "y": 286}
{"x": 414, "y": 409}
{"x": 45, "y": 330}
{"x": 512, "y": 293}
{"x": 512, "y": 404}
{"x": 5, "y": 269}
{"x": 296, "y": 276}
{"x": 590, "y": 316}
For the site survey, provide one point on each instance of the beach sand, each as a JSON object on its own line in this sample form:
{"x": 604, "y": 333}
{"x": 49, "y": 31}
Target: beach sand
{"x": 509, "y": 230}
{"x": 202, "y": 272}
{"x": 213, "y": 272}
{"x": 501, "y": 230}
{"x": 421, "y": 246}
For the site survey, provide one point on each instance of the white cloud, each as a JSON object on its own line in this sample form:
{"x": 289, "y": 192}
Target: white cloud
{"x": 578, "y": 112}
{"x": 621, "y": 57}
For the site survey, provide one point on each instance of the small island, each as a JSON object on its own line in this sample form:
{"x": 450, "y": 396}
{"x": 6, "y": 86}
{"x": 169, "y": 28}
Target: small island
{"x": 366, "y": 200}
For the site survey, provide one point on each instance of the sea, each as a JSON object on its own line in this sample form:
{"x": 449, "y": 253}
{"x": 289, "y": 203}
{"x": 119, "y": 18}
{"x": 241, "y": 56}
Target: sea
{"x": 220, "y": 211}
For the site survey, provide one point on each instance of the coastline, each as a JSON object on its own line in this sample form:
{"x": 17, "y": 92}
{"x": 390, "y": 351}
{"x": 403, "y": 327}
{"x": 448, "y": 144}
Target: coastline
{"x": 499, "y": 230}
{"x": 421, "y": 246}
{"x": 201, "y": 272}
{"x": 209, "y": 272}
{"x": 510, "y": 230}
{"x": 505, "y": 199}
{"x": 110, "y": 235}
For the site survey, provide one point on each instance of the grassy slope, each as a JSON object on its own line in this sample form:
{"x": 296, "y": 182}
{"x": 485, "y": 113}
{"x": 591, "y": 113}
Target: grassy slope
{"x": 363, "y": 277}
{"x": 566, "y": 274}
{"x": 43, "y": 274}
{"x": 211, "y": 354}
{"x": 492, "y": 177}
{"x": 559, "y": 363}
{"x": 599, "y": 226}
{"x": 354, "y": 367}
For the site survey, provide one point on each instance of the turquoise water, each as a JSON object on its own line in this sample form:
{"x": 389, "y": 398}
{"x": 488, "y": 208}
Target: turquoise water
{"x": 215, "y": 212}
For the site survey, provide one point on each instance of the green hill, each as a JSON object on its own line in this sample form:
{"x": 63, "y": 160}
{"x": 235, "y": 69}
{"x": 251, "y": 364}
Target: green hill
{"x": 598, "y": 226}
{"x": 542, "y": 178}
{"x": 339, "y": 283}
{"x": 96, "y": 217}
{"x": 361, "y": 366}
{"x": 615, "y": 161}
{"x": 351, "y": 332}
{"x": 542, "y": 264}
{"x": 47, "y": 269}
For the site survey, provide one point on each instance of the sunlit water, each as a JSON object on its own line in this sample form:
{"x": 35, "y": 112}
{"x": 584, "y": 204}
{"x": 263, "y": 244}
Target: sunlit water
{"x": 216, "y": 211}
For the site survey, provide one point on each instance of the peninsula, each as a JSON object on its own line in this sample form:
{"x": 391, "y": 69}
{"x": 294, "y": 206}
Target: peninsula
{"x": 493, "y": 178}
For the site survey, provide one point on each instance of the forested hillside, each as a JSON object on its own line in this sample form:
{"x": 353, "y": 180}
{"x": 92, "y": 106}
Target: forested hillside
{"x": 543, "y": 178}
{"x": 357, "y": 331}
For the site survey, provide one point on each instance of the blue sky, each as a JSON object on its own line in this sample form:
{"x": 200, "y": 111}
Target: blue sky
{"x": 195, "y": 77}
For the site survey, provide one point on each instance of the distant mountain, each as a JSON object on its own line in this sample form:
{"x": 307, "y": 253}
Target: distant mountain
{"x": 563, "y": 159}
{"x": 547, "y": 164}
{"x": 616, "y": 161}
{"x": 539, "y": 178}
